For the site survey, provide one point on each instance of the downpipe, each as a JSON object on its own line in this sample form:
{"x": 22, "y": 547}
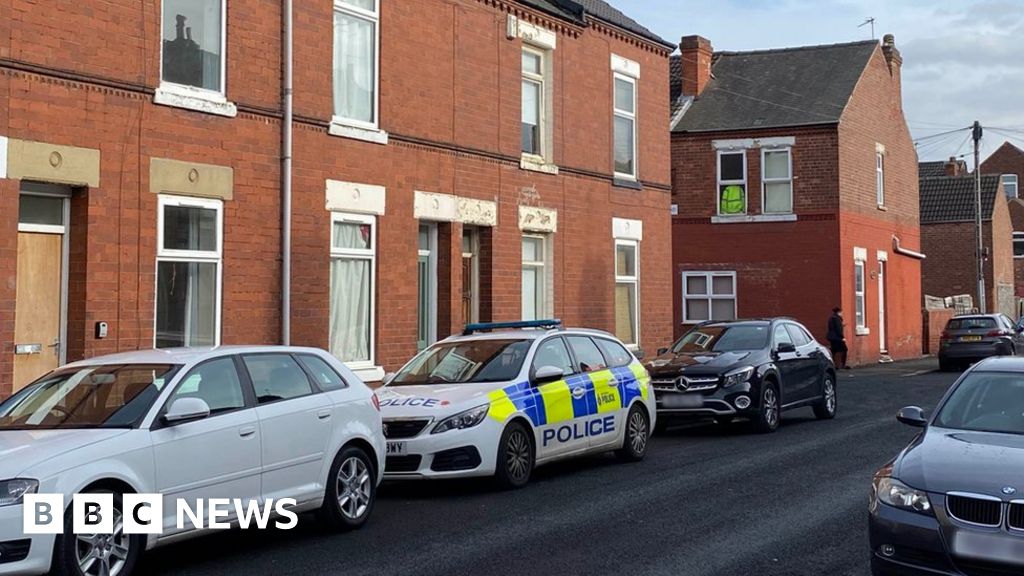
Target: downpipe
{"x": 286, "y": 178}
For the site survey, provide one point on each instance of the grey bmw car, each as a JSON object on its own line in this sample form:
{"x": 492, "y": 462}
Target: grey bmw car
{"x": 952, "y": 502}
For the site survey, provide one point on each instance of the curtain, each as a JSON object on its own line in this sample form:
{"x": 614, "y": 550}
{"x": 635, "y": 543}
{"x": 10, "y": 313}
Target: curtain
{"x": 350, "y": 309}
{"x": 354, "y": 61}
{"x": 625, "y": 312}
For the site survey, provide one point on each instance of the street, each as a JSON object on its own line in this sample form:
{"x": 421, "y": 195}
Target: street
{"x": 707, "y": 501}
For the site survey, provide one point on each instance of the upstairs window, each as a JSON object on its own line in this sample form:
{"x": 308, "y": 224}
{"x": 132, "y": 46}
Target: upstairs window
{"x": 1010, "y": 185}
{"x": 732, "y": 183}
{"x": 1018, "y": 244}
{"x": 625, "y": 126}
{"x": 356, "y": 61}
{"x": 880, "y": 178}
{"x": 777, "y": 181}
{"x": 193, "y": 44}
{"x": 533, "y": 102}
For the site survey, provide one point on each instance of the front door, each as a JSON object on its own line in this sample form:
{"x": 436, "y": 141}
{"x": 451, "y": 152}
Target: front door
{"x": 426, "y": 314}
{"x": 38, "y": 316}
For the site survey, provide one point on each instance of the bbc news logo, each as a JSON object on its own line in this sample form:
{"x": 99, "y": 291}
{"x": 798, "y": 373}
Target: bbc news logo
{"x": 144, "y": 514}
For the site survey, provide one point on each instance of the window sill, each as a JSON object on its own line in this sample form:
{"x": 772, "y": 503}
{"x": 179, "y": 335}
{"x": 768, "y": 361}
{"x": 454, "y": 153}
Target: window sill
{"x": 537, "y": 164}
{"x": 630, "y": 183}
{"x": 368, "y": 374}
{"x": 753, "y": 219}
{"x": 344, "y": 130}
{"x": 196, "y": 100}
{"x": 863, "y": 331}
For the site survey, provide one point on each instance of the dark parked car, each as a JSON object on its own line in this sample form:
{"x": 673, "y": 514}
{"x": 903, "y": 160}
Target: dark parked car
{"x": 952, "y": 502}
{"x": 746, "y": 368}
{"x": 975, "y": 337}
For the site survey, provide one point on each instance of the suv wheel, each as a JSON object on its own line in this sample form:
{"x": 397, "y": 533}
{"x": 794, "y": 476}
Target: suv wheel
{"x": 826, "y": 409}
{"x": 637, "y": 436}
{"x": 768, "y": 417}
{"x": 515, "y": 457}
{"x": 98, "y": 554}
{"x": 351, "y": 490}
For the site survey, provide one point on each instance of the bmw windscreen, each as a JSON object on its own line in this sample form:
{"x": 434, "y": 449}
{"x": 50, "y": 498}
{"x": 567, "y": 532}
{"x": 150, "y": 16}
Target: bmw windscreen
{"x": 728, "y": 338}
{"x": 985, "y": 402}
{"x": 89, "y": 397}
{"x": 466, "y": 362}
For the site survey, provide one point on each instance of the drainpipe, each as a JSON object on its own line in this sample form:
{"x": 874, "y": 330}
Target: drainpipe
{"x": 286, "y": 180}
{"x": 905, "y": 251}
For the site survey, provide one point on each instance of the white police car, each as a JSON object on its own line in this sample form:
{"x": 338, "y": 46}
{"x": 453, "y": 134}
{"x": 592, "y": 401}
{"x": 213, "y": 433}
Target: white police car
{"x": 503, "y": 398}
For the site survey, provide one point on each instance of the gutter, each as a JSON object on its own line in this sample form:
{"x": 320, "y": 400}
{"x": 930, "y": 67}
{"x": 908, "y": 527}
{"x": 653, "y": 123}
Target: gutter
{"x": 905, "y": 251}
{"x": 286, "y": 179}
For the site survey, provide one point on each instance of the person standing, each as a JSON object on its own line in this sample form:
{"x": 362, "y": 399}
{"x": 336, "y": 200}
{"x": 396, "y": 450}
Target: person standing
{"x": 837, "y": 338}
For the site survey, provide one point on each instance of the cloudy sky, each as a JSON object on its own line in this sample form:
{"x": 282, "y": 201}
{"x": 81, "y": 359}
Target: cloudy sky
{"x": 962, "y": 60}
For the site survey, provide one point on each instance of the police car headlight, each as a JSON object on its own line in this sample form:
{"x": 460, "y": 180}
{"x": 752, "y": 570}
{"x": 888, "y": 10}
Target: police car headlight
{"x": 466, "y": 419}
{"x": 12, "y": 491}
{"x": 738, "y": 376}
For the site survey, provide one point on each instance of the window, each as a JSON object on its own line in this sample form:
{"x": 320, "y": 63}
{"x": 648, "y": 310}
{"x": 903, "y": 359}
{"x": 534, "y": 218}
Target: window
{"x": 799, "y": 337}
{"x": 777, "y": 181}
{"x": 880, "y": 177}
{"x": 535, "y": 278}
{"x": 216, "y": 383}
{"x": 858, "y": 294}
{"x": 353, "y": 271}
{"x": 625, "y": 126}
{"x": 553, "y": 353}
{"x": 627, "y": 294}
{"x": 426, "y": 319}
{"x": 732, "y": 183}
{"x": 467, "y": 362}
{"x": 1010, "y": 185}
{"x": 587, "y": 354}
{"x": 781, "y": 335}
{"x": 470, "y": 275}
{"x": 534, "y": 102}
{"x": 709, "y": 296}
{"x": 276, "y": 377}
{"x": 1018, "y": 244}
{"x": 325, "y": 376}
{"x": 356, "y": 62}
{"x": 617, "y": 355}
{"x": 193, "y": 44}
{"x": 188, "y": 283}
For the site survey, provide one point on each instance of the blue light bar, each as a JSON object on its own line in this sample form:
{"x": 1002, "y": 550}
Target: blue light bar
{"x": 489, "y": 326}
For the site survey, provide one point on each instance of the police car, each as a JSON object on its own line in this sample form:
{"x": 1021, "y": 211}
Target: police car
{"x": 500, "y": 399}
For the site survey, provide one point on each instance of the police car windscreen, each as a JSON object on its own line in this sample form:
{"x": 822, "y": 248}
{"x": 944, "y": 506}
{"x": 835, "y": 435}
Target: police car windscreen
{"x": 470, "y": 362}
{"x": 728, "y": 338}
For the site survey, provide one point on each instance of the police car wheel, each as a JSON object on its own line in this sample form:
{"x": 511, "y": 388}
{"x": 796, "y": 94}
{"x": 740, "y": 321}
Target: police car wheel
{"x": 97, "y": 554}
{"x": 515, "y": 457}
{"x": 351, "y": 490}
{"x": 637, "y": 437}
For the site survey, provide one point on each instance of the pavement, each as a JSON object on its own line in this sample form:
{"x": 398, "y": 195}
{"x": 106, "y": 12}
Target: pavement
{"x": 708, "y": 501}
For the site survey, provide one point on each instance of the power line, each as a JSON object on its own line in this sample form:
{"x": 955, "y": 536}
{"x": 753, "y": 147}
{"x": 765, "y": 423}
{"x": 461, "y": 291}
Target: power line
{"x": 923, "y": 138}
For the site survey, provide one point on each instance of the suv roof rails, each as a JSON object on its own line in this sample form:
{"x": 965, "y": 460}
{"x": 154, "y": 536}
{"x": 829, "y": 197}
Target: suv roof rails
{"x": 491, "y": 326}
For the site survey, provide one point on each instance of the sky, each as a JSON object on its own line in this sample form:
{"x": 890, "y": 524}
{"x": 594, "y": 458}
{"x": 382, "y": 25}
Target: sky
{"x": 962, "y": 60}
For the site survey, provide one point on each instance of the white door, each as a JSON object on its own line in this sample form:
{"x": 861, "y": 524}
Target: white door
{"x": 882, "y": 342}
{"x": 217, "y": 457}
{"x": 564, "y": 413}
{"x": 295, "y": 426}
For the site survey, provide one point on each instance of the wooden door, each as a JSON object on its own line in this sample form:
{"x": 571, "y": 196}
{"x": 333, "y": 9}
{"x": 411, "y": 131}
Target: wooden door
{"x": 37, "y": 315}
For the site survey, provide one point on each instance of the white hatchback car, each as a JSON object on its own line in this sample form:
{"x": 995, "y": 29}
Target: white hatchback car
{"x": 502, "y": 398}
{"x": 258, "y": 424}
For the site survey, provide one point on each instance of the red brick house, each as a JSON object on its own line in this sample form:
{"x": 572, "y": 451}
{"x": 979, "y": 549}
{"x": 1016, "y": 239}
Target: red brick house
{"x": 794, "y": 183}
{"x": 948, "y": 207}
{"x": 453, "y": 160}
{"x": 1008, "y": 162}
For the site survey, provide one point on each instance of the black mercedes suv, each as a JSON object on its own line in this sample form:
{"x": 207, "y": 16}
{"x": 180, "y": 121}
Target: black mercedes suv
{"x": 753, "y": 369}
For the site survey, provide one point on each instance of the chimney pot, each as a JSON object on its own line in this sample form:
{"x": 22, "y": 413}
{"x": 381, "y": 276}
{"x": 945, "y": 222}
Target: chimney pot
{"x": 695, "y": 64}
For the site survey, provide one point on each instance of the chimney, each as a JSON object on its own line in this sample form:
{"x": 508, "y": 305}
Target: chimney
{"x": 179, "y": 27}
{"x": 895, "y": 62}
{"x": 955, "y": 167}
{"x": 695, "y": 64}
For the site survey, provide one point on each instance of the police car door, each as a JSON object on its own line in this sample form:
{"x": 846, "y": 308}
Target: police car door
{"x": 559, "y": 411}
{"x": 604, "y": 403}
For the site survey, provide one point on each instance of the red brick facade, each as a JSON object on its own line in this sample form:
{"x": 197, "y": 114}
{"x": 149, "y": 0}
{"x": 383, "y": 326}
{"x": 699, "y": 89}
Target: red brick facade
{"x": 450, "y": 101}
{"x": 1009, "y": 159}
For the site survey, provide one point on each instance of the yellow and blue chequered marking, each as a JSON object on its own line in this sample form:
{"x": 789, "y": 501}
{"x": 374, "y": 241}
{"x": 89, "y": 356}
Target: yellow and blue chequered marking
{"x": 606, "y": 391}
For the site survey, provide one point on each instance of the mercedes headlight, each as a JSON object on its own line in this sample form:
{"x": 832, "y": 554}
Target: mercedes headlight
{"x": 462, "y": 420}
{"x": 738, "y": 376}
{"x": 891, "y": 491}
{"x": 12, "y": 491}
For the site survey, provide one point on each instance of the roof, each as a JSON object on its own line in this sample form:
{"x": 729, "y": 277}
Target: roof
{"x": 947, "y": 199}
{"x": 576, "y": 11}
{"x": 931, "y": 169}
{"x": 774, "y": 88}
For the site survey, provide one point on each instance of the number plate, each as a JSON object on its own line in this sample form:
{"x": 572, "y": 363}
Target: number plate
{"x": 396, "y": 449}
{"x": 970, "y": 338}
{"x": 682, "y": 401}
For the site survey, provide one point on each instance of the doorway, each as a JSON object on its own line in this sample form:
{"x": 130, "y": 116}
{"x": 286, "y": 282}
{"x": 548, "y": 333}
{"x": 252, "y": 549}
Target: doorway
{"x": 426, "y": 321}
{"x": 40, "y": 312}
{"x": 883, "y": 342}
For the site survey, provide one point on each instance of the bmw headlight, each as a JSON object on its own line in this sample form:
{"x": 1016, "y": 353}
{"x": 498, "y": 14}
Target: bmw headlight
{"x": 738, "y": 376}
{"x": 891, "y": 491}
{"x": 12, "y": 491}
{"x": 466, "y": 419}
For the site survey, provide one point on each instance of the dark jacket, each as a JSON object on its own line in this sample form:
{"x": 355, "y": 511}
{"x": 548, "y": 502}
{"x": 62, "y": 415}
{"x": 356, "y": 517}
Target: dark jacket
{"x": 836, "y": 329}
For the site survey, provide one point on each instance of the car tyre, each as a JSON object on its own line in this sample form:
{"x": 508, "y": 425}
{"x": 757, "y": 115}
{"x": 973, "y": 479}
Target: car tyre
{"x": 98, "y": 554}
{"x": 826, "y": 409}
{"x": 516, "y": 457}
{"x": 770, "y": 414}
{"x": 637, "y": 436}
{"x": 351, "y": 490}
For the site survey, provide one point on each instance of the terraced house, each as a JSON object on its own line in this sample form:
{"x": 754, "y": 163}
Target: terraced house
{"x": 445, "y": 161}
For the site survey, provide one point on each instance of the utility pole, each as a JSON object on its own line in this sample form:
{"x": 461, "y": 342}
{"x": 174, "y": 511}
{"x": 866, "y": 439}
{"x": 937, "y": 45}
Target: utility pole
{"x": 977, "y": 133}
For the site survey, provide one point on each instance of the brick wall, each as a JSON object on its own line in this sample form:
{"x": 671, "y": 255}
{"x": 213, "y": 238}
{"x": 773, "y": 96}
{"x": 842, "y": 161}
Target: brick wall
{"x": 934, "y": 324}
{"x": 1007, "y": 159}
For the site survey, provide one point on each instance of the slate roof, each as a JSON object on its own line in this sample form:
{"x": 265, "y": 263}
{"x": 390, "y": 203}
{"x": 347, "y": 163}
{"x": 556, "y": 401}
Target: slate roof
{"x": 774, "y": 88}
{"x": 946, "y": 199}
{"x": 576, "y": 10}
{"x": 931, "y": 169}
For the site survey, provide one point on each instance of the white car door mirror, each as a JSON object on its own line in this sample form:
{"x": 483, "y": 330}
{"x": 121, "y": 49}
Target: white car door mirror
{"x": 546, "y": 374}
{"x": 184, "y": 409}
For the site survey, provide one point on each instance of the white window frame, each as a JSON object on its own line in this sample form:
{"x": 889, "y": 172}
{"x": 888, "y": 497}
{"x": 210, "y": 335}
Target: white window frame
{"x": 366, "y": 255}
{"x": 765, "y": 180}
{"x": 545, "y": 308}
{"x": 632, "y": 117}
{"x": 542, "y": 80}
{"x": 214, "y": 256}
{"x": 860, "y": 297}
{"x": 217, "y": 96}
{"x": 374, "y": 18}
{"x": 710, "y": 296}
{"x": 1017, "y": 237}
{"x": 635, "y": 281}
{"x": 880, "y": 178}
{"x": 474, "y": 256}
{"x": 1007, "y": 179}
{"x": 431, "y": 254}
{"x": 718, "y": 188}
